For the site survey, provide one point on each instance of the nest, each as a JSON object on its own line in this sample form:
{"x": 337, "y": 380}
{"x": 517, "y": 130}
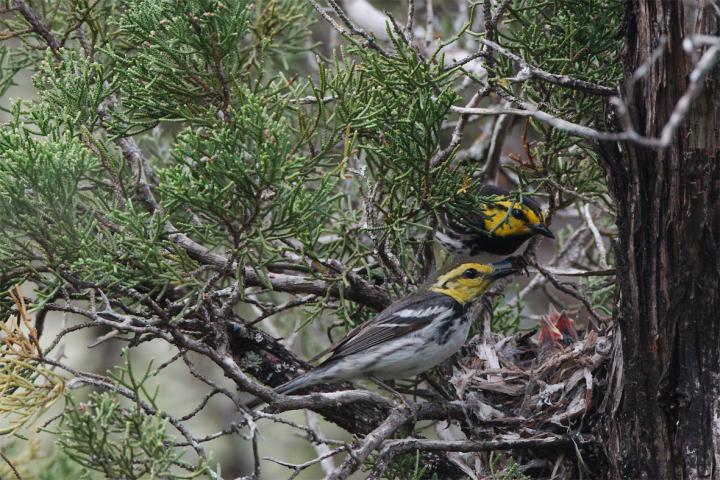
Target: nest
{"x": 525, "y": 391}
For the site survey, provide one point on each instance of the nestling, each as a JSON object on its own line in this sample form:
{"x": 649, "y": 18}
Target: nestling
{"x": 557, "y": 330}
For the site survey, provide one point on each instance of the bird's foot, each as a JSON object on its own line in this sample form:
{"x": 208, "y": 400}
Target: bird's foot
{"x": 398, "y": 396}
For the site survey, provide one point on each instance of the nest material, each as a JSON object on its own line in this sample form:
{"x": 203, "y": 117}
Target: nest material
{"x": 548, "y": 391}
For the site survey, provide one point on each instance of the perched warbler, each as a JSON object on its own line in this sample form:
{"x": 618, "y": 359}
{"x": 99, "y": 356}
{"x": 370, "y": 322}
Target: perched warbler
{"x": 500, "y": 227}
{"x": 413, "y": 334}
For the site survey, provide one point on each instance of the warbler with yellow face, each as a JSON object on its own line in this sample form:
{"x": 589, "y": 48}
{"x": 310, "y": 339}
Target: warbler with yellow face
{"x": 499, "y": 227}
{"x": 413, "y": 334}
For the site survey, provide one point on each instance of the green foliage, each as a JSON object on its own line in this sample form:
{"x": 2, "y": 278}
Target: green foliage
{"x": 563, "y": 38}
{"x": 190, "y": 62}
{"x": 408, "y": 466}
{"x": 123, "y": 439}
{"x": 510, "y": 469}
{"x": 39, "y": 185}
{"x": 244, "y": 175}
{"x": 601, "y": 293}
{"x": 392, "y": 109}
{"x": 121, "y": 443}
{"x": 173, "y": 55}
{"x": 73, "y": 88}
{"x": 507, "y": 313}
{"x": 62, "y": 466}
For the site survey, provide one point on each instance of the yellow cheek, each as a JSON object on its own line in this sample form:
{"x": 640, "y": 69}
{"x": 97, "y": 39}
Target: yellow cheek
{"x": 459, "y": 294}
{"x": 470, "y": 289}
{"x": 501, "y": 223}
{"x": 464, "y": 290}
{"x": 535, "y": 219}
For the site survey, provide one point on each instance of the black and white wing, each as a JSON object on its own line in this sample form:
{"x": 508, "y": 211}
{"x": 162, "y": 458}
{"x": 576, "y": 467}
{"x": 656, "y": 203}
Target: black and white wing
{"x": 402, "y": 318}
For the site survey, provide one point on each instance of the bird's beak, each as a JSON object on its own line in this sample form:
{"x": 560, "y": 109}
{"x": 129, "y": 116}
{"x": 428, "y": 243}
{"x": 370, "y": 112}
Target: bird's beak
{"x": 506, "y": 267}
{"x": 542, "y": 230}
{"x": 549, "y": 334}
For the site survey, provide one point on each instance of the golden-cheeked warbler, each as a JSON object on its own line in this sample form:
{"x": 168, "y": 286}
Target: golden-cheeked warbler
{"x": 413, "y": 334}
{"x": 500, "y": 227}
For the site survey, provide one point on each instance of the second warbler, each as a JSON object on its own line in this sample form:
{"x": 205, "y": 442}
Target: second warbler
{"x": 500, "y": 226}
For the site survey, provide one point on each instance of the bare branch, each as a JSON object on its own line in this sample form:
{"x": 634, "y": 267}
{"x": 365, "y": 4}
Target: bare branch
{"x": 357, "y": 455}
{"x": 571, "y": 252}
{"x": 500, "y": 130}
{"x": 363, "y": 292}
{"x": 37, "y": 25}
{"x": 200, "y": 406}
{"x": 562, "y": 80}
{"x": 480, "y": 446}
{"x": 318, "y": 400}
{"x": 352, "y": 29}
{"x": 555, "y": 122}
{"x": 572, "y": 292}
{"x": 574, "y": 272}
{"x": 499, "y": 11}
{"x": 445, "y": 153}
{"x": 392, "y": 448}
{"x": 409, "y": 33}
{"x": 12, "y": 467}
{"x": 321, "y": 448}
{"x": 429, "y": 23}
{"x": 596, "y": 235}
{"x": 309, "y": 100}
{"x": 708, "y": 60}
{"x": 298, "y": 468}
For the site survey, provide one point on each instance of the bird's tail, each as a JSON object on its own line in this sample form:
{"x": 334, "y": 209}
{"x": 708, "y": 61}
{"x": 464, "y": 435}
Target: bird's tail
{"x": 307, "y": 379}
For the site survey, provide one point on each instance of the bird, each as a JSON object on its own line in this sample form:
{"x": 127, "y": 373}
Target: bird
{"x": 413, "y": 334}
{"x": 557, "y": 330}
{"x": 500, "y": 227}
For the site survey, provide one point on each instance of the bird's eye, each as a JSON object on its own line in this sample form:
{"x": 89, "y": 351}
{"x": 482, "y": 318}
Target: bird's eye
{"x": 518, "y": 214}
{"x": 470, "y": 273}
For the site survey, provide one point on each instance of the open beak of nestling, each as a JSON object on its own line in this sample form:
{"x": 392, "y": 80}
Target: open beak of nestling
{"x": 549, "y": 336}
{"x": 566, "y": 326}
{"x": 542, "y": 230}
{"x": 506, "y": 267}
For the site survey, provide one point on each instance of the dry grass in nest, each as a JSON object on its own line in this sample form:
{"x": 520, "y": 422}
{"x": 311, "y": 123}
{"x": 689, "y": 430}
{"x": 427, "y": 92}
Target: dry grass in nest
{"x": 542, "y": 393}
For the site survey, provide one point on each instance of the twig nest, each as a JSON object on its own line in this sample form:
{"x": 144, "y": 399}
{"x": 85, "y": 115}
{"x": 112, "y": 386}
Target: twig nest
{"x": 549, "y": 388}
{"x": 518, "y": 377}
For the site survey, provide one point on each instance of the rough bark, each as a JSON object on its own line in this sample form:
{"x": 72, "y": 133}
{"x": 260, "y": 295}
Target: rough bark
{"x": 664, "y": 418}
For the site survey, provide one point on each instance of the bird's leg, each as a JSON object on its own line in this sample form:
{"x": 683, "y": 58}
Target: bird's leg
{"x": 436, "y": 386}
{"x": 400, "y": 398}
{"x": 388, "y": 388}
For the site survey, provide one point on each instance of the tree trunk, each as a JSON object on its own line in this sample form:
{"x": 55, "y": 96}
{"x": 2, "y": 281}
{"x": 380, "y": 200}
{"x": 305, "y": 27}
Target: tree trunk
{"x": 663, "y": 420}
